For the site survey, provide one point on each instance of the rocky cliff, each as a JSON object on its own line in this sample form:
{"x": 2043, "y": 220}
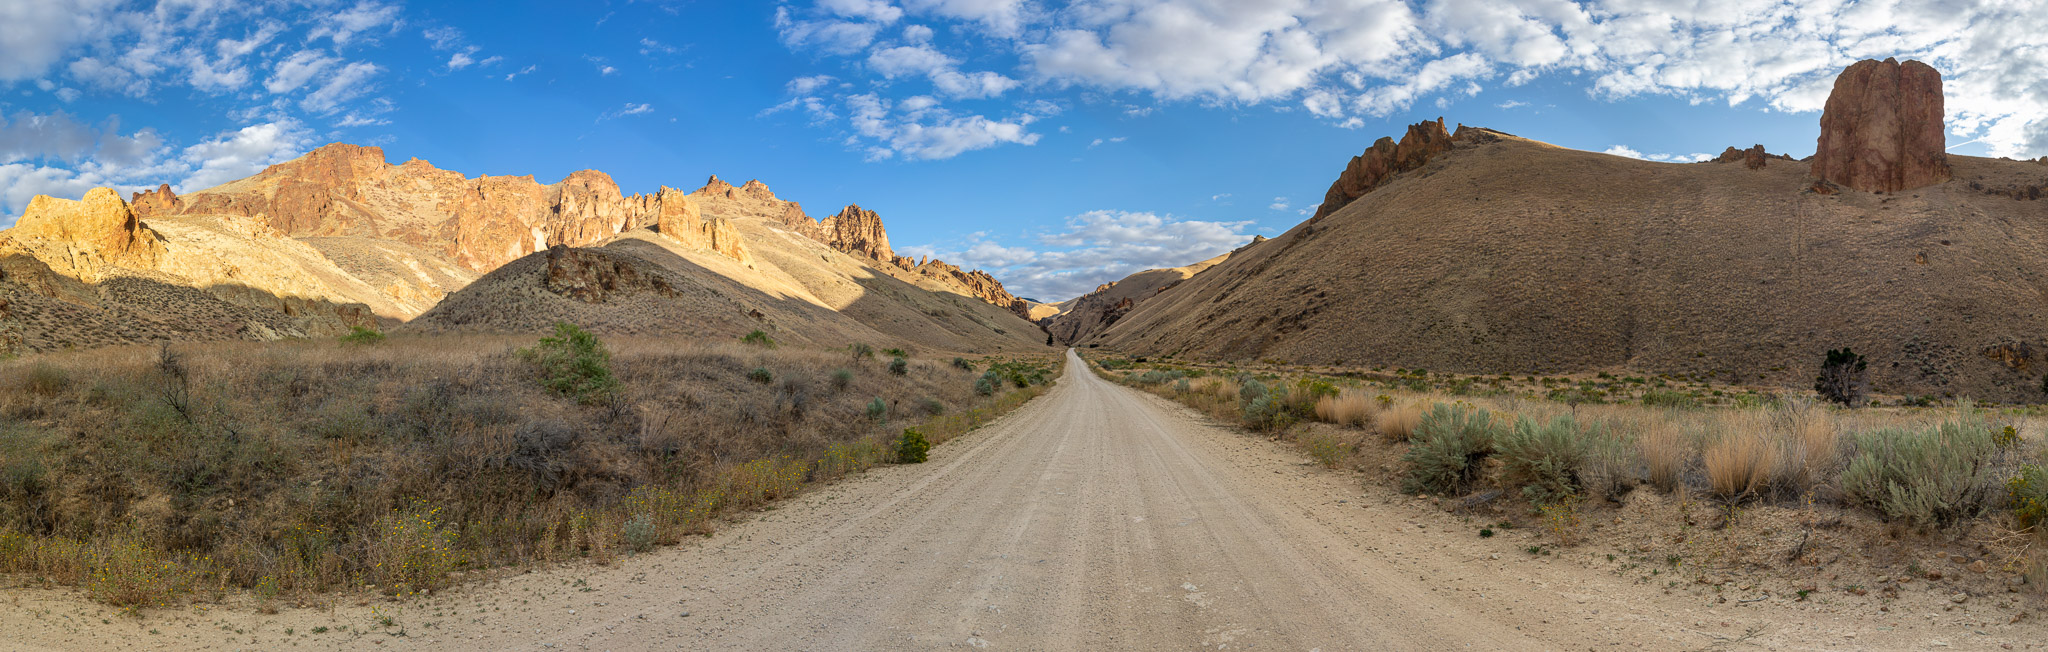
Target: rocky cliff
{"x": 1881, "y": 130}
{"x": 480, "y": 223}
{"x": 858, "y": 231}
{"x": 1384, "y": 159}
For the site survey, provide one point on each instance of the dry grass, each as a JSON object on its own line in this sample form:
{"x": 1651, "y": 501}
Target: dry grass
{"x": 1743, "y": 461}
{"x": 1350, "y": 407}
{"x": 1399, "y": 423}
{"x": 1666, "y": 452}
{"x": 311, "y": 466}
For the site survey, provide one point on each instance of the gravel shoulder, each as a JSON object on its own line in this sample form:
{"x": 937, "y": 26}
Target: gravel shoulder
{"x": 1096, "y": 517}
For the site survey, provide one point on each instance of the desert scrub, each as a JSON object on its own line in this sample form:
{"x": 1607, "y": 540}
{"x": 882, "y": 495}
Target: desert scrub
{"x": 638, "y": 532}
{"x": 899, "y": 366}
{"x": 1544, "y": 458}
{"x": 986, "y": 385}
{"x": 912, "y": 448}
{"x": 45, "y": 380}
{"x": 2028, "y": 490}
{"x": 1924, "y": 476}
{"x": 1446, "y": 449}
{"x": 841, "y": 379}
{"x": 861, "y": 351}
{"x": 413, "y": 551}
{"x": 133, "y": 576}
{"x": 362, "y": 336}
{"x": 761, "y": 375}
{"x": 758, "y": 338}
{"x": 574, "y": 363}
{"x": 1347, "y": 408}
{"x": 878, "y": 409}
{"x": 1398, "y": 424}
{"x": 962, "y": 364}
{"x": 1741, "y": 464}
{"x": 1327, "y": 449}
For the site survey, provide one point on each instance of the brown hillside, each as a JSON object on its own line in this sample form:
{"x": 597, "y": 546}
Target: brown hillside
{"x": 798, "y": 290}
{"x": 1090, "y": 314}
{"x": 1509, "y": 255}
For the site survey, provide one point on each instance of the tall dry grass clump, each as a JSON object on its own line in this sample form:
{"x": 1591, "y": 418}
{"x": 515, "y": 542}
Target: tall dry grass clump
{"x": 1350, "y": 407}
{"x": 1399, "y": 423}
{"x": 1666, "y": 453}
{"x": 1741, "y": 463}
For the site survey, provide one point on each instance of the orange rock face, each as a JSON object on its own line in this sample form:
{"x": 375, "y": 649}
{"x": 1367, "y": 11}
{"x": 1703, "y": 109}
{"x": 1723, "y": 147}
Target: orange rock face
{"x": 1385, "y": 159}
{"x": 1882, "y": 128}
{"x": 480, "y": 223}
{"x": 1754, "y": 158}
{"x": 99, "y": 229}
{"x": 858, "y": 231}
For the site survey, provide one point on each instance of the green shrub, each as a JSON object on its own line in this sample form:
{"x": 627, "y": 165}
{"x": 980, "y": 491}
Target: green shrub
{"x": 860, "y": 351}
{"x": 1924, "y": 477}
{"x": 896, "y": 353}
{"x": 986, "y": 385}
{"x": 361, "y": 335}
{"x": 1544, "y": 459}
{"x": 912, "y": 447}
{"x": 841, "y": 379}
{"x": 878, "y": 409}
{"x": 1670, "y": 399}
{"x": 899, "y": 366}
{"x": 1327, "y": 449}
{"x": 1021, "y": 373}
{"x": 932, "y": 406}
{"x": 2029, "y": 491}
{"x": 639, "y": 532}
{"x": 962, "y": 364}
{"x": 758, "y": 338}
{"x": 574, "y": 363}
{"x": 1446, "y": 449}
{"x": 761, "y": 375}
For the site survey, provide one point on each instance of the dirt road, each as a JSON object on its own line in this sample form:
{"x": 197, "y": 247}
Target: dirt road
{"x": 1094, "y": 518}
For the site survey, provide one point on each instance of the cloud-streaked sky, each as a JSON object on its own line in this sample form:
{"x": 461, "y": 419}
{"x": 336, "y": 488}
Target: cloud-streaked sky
{"x": 1057, "y": 144}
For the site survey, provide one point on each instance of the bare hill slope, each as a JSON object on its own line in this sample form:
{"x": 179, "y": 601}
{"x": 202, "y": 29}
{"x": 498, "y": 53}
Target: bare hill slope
{"x": 1508, "y": 255}
{"x": 1088, "y": 315}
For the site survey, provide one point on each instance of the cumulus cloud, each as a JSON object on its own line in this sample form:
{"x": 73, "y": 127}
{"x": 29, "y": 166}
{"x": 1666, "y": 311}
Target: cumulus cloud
{"x": 1091, "y": 249}
{"x": 55, "y": 155}
{"x": 1344, "y": 60}
{"x": 1630, "y": 152}
{"x": 916, "y": 129}
{"x": 364, "y": 19}
{"x": 347, "y": 83}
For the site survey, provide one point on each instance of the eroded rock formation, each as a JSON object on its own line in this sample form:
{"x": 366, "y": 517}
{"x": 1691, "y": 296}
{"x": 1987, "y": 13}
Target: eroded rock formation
{"x": 858, "y": 231}
{"x": 594, "y": 276}
{"x": 95, "y": 231}
{"x": 1384, "y": 159}
{"x": 1754, "y": 158}
{"x": 1882, "y": 128}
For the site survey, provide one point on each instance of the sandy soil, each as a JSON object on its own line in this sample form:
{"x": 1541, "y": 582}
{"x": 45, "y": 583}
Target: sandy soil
{"x": 1096, "y": 517}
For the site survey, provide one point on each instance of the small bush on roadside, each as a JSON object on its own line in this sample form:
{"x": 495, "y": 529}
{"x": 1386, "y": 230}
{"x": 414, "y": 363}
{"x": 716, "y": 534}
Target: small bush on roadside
{"x": 899, "y": 366}
{"x": 1544, "y": 459}
{"x": 2029, "y": 492}
{"x": 134, "y": 576}
{"x": 1348, "y": 408}
{"x": 638, "y": 532}
{"x": 1449, "y": 443}
{"x": 1925, "y": 477}
{"x": 912, "y": 448}
{"x": 574, "y": 363}
{"x": 761, "y": 375}
{"x": 1399, "y": 424}
{"x": 1326, "y": 448}
{"x": 986, "y": 385}
{"x": 361, "y": 335}
{"x": 758, "y": 338}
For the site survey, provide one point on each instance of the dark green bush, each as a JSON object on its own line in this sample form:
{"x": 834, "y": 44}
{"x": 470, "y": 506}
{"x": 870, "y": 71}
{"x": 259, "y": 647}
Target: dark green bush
{"x": 899, "y": 366}
{"x": 878, "y": 409}
{"x": 896, "y": 353}
{"x": 912, "y": 448}
{"x": 761, "y": 375}
{"x": 986, "y": 385}
{"x": 1447, "y": 447}
{"x": 841, "y": 379}
{"x": 758, "y": 338}
{"x": 574, "y": 363}
{"x": 1670, "y": 399}
{"x": 861, "y": 351}
{"x": 1842, "y": 377}
{"x": 962, "y": 364}
{"x": 932, "y": 406}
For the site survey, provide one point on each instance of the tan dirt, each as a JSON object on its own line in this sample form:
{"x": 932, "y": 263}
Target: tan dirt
{"x": 1097, "y": 517}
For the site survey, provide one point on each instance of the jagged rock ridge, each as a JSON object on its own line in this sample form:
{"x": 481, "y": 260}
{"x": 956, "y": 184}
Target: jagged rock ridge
{"x": 1384, "y": 159}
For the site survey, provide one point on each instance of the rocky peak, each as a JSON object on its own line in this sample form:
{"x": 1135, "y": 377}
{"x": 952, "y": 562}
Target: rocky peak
{"x": 160, "y": 202}
{"x": 97, "y": 230}
{"x": 1384, "y": 159}
{"x": 1881, "y": 130}
{"x": 1753, "y": 158}
{"x": 858, "y": 231}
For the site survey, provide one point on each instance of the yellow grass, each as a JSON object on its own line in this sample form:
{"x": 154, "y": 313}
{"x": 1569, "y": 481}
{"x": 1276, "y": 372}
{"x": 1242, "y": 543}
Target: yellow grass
{"x": 1665, "y": 451}
{"x": 1350, "y": 407}
{"x": 1399, "y": 423}
{"x": 1742, "y": 461}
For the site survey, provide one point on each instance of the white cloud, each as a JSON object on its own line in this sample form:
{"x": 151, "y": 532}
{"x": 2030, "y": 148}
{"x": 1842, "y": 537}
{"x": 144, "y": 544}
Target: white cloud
{"x": 1103, "y": 141}
{"x": 916, "y": 130}
{"x": 347, "y": 83}
{"x": 1511, "y": 104}
{"x": 1624, "y": 150}
{"x": 293, "y": 72}
{"x": 67, "y": 164}
{"x": 522, "y": 71}
{"x": 629, "y": 109}
{"x": 879, "y": 11}
{"x": 443, "y": 38}
{"x": 35, "y": 34}
{"x": 650, "y": 47}
{"x": 242, "y": 153}
{"x": 1346, "y": 59}
{"x": 361, "y": 19}
{"x": 1630, "y": 152}
{"x": 28, "y": 135}
{"x": 808, "y": 84}
{"x": 460, "y": 60}
{"x": 1091, "y": 249}
{"x": 1279, "y": 204}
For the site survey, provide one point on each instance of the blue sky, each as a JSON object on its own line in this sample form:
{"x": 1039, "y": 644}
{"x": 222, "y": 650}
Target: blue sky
{"x": 1058, "y": 144}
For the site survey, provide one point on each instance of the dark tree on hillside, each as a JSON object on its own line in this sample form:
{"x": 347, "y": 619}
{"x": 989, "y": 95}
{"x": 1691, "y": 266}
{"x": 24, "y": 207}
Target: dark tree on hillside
{"x": 1842, "y": 377}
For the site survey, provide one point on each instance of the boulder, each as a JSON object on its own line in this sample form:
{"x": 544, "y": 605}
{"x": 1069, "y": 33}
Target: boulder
{"x": 1882, "y": 128}
{"x": 1753, "y": 158}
